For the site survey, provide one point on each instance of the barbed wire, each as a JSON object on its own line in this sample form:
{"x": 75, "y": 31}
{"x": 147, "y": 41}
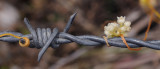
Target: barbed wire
{"x": 43, "y": 38}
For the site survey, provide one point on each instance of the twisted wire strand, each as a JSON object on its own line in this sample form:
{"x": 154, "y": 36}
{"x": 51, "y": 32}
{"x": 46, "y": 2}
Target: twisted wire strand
{"x": 45, "y": 37}
{"x": 90, "y": 40}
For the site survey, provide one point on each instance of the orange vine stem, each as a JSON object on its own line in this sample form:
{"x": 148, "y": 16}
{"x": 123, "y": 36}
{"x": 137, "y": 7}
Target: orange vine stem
{"x": 149, "y": 25}
{"x": 105, "y": 38}
{"x": 124, "y": 41}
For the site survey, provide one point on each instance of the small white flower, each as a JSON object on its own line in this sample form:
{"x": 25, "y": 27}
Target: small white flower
{"x": 105, "y": 27}
{"x": 128, "y": 29}
{"x": 123, "y": 28}
{"x": 114, "y": 24}
{"x": 127, "y": 23}
{"x": 107, "y": 33}
{"x": 111, "y": 26}
{"x": 121, "y": 19}
{"x": 108, "y": 28}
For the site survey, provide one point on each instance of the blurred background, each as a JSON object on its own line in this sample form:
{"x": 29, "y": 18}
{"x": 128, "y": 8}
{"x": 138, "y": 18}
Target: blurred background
{"x": 92, "y": 16}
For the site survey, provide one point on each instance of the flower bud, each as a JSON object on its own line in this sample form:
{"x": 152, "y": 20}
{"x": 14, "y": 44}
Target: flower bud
{"x": 121, "y": 19}
{"x": 127, "y": 23}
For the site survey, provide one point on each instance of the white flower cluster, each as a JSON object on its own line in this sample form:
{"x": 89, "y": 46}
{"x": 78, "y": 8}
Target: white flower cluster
{"x": 115, "y": 29}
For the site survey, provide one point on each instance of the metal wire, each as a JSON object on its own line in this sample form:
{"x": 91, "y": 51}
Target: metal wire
{"x": 43, "y": 38}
